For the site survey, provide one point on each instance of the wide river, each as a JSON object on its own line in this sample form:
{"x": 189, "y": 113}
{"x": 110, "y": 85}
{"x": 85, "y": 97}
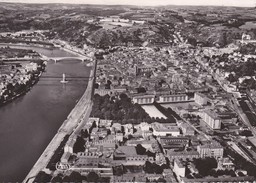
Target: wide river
{"x": 29, "y": 123}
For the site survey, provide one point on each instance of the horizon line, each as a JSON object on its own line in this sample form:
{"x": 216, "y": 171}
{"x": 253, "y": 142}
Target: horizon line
{"x": 101, "y": 4}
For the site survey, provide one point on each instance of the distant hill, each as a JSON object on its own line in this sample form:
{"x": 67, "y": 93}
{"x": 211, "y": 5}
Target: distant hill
{"x": 198, "y": 24}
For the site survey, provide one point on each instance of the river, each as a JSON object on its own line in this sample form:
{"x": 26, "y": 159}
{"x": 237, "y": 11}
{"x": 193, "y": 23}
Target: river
{"x": 28, "y": 123}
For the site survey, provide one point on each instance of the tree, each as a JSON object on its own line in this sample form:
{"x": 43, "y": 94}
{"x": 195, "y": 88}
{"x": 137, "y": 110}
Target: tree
{"x": 130, "y": 137}
{"x": 148, "y": 167}
{"x": 123, "y": 96}
{"x": 150, "y": 154}
{"x": 163, "y": 68}
{"x": 96, "y": 85}
{"x": 58, "y": 178}
{"x": 84, "y": 133}
{"x": 107, "y": 86}
{"x": 153, "y": 168}
{"x": 109, "y": 82}
{"x": 92, "y": 177}
{"x": 79, "y": 145}
{"x": 43, "y": 177}
{"x": 66, "y": 179}
{"x": 118, "y": 109}
{"x": 141, "y": 90}
{"x": 161, "y": 180}
{"x": 246, "y": 133}
{"x": 213, "y": 173}
{"x": 119, "y": 170}
{"x": 167, "y": 162}
{"x": 94, "y": 125}
{"x": 76, "y": 177}
{"x": 122, "y": 129}
{"x": 204, "y": 166}
{"x": 140, "y": 149}
{"x": 108, "y": 115}
{"x": 231, "y": 78}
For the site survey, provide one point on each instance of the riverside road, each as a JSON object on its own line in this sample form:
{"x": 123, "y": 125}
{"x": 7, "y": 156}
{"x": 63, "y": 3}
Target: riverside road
{"x": 81, "y": 111}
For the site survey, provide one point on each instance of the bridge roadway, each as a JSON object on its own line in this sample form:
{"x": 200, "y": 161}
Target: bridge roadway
{"x": 79, "y": 55}
{"x": 83, "y": 58}
{"x": 67, "y": 77}
{"x": 77, "y": 117}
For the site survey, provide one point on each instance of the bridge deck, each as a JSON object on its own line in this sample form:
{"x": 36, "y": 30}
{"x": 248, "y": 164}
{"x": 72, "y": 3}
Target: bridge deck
{"x": 67, "y": 77}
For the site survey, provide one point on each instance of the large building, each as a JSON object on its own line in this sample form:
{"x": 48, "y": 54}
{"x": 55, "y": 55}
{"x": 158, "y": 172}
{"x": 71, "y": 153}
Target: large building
{"x": 182, "y": 154}
{"x": 225, "y": 163}
{"x": 179, "y": 169}
{"x": 213, "y": 149}
{"x": 200, "y": 99}
{"x": 127, "y": 155}
{"x": 103, "y": 172}
{"x": 173, "y": 143}
{"x": 69, "y": 145}
{"x": 144, "y": 99}
{"x": 212, "y": 119}
{"x": 87, "y": 159}
{"x": 219, "y": 179}
{"x": 31, "y": 66}
{"x": 129, "y": 178}
{"x": 103, "y": 92}
{"x": 173, "y": 98}
{"x": 187, "y": 130}
{"x": 165, "y": 130}
{"x": 104, "y": 145}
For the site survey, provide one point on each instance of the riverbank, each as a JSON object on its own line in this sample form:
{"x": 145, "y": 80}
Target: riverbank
{"x": 76, "y": 117}
{"x": 27, "y": 87}
{"x": 7, "y": 99}
{"x": 33, "y": 43}
{"x": 32, "y": 120}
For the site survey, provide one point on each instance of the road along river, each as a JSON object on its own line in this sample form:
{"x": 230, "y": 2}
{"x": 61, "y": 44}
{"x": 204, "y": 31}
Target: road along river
{"x": 28, "y": 123}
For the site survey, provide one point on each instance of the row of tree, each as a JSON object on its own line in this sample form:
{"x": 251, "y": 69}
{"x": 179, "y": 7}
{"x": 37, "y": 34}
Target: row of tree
{"x": 169, "y": 113}
{"x": 204, "y": 166}
{"x": 241, "y": 162}
{"x": 154, "y": 168}
{"x": 119, "y": 109}
{"x": 142, "y": 151}
{"x": 77, "y": 177}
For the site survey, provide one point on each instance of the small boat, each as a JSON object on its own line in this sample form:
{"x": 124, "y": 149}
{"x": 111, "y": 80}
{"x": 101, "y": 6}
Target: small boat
{"x": 64, "y": 81}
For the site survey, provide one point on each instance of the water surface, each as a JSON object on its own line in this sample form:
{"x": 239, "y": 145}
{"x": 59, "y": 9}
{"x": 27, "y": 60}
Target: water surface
{"x": 29, "y": 123}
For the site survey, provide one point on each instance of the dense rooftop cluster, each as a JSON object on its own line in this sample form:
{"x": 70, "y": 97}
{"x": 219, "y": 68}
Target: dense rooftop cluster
{"x": 19, "y": 70}
{"x": 174, "y": 90}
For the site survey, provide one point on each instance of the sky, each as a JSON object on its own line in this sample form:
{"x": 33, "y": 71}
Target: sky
{"x": 242, "y": 3}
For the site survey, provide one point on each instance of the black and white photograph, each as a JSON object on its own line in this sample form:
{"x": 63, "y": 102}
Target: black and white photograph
{"x": 127, "y": 91}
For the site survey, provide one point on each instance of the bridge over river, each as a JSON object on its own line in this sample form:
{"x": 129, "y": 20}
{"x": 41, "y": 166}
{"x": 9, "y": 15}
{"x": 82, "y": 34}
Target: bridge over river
{"x": 57, "y": 59}
{"x": 76, "y": 119}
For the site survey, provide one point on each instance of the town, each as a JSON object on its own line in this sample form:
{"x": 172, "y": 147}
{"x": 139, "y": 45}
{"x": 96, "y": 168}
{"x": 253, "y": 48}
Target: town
{"x": 19, "y": 71}
{"x": 198, "y": 128}
{"x": 166, "y": 105}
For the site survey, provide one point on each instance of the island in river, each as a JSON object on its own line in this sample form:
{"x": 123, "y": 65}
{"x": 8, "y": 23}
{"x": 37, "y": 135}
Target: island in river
{"x": 28, "y": 123}
{"x": 20, "y": 70}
